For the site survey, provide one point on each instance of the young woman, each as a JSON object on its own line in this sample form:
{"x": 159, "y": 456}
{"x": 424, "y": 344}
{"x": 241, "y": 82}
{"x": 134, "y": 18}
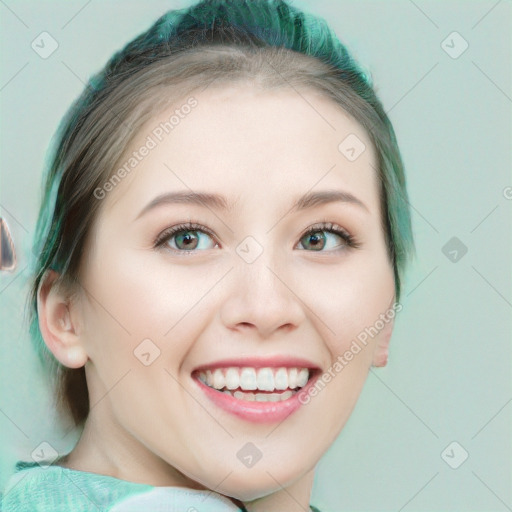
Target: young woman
{"x": 221, "y": 242}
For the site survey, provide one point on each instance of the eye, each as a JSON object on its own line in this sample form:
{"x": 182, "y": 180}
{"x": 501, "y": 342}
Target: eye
{"x": 191, "y": 237}
{"x": 315, "y": 238}
{"x": 186, "y": 237}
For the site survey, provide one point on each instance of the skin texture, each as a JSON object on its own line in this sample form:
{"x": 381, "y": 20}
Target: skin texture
{"x": 152, "y": 424}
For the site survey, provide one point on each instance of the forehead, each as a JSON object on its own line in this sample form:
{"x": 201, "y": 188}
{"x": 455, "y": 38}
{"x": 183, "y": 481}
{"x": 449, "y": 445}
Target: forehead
{"x": 249, "y": 144}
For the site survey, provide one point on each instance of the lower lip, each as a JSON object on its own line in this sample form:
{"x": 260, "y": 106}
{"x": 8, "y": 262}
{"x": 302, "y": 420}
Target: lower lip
{"x": 256, "y": 412}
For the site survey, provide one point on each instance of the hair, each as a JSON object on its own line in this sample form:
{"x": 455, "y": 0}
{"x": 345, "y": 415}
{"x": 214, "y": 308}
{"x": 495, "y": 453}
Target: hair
{"x": 267, "y": 43}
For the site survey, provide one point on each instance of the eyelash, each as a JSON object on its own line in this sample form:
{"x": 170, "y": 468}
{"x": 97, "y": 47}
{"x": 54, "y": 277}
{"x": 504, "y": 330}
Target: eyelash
{"x": 165, "y": 236}
{"x": 187, "y": 226}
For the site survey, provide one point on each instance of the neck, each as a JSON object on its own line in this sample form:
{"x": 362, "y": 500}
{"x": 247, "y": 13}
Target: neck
{"x": 294, "y": 498}
{"x": 120, "y": 456}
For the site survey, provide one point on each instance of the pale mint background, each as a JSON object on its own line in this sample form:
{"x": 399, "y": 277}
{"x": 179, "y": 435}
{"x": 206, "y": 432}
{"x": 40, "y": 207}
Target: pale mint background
{"x": 449, "y": 375}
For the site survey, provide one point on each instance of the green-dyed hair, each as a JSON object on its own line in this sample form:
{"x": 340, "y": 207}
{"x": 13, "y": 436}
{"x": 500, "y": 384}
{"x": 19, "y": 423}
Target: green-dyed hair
{"x": 265, "y": 42}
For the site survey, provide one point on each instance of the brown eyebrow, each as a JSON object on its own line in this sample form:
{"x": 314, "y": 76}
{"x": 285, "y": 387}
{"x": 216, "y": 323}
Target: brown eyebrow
{"x": 213, "y": 201}
{"x": 218, "y": 202}
{"x": 327, "y": 196}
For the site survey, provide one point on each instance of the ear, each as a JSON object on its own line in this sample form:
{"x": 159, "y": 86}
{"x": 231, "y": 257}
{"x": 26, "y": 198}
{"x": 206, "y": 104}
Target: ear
{"x": 380, "y": 354}
{"x": 58, "y": 322}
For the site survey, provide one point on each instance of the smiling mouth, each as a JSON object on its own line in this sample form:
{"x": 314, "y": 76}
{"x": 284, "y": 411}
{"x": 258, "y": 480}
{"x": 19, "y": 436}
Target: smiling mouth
{"x": 250, "y": 384}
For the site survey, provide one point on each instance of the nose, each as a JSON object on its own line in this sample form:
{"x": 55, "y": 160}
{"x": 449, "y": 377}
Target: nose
{"x": 260, "y": 298}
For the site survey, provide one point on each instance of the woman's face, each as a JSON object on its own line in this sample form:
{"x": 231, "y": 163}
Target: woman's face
{"x": 252, "y": 290}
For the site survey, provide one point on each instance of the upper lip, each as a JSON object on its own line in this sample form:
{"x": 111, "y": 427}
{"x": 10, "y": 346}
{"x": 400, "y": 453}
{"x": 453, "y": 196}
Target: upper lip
{"x": 277, "y": 361}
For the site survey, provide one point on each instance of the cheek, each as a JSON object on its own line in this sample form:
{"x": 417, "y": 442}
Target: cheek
{"x": 136, "y": 298}
{"x": 350, "y": 296}
{"x": 348, "y": 302}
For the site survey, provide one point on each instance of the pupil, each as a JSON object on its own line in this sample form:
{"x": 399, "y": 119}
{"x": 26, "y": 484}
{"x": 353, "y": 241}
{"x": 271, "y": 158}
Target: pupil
{"x": 316, "y": 238}
{"x": 187, "y": 238}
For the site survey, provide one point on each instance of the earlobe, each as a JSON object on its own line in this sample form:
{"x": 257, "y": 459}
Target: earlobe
{"x": 56, "y": 323}
{"x": 380, "y": 354}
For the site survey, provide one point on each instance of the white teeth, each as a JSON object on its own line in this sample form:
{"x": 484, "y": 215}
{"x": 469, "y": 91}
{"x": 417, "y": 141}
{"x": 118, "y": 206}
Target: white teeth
{"x": 244, "y": 396}
{"x": 218, "y": 379}
{"x": 232, "y": 378}
{"x": 286, "y": 395}
{"x": 252, "y": 379}
{"x": 281, "y": 379}
{"x": 261, "y": 397}
{"x": 292, "y": 378}
{"x": 265, "y": 379}
{"x": 302, "y": 377}
{"x": 248, "y": 379}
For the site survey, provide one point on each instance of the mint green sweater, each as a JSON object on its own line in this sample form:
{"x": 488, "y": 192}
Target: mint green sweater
{"x": 35, "y": 488}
